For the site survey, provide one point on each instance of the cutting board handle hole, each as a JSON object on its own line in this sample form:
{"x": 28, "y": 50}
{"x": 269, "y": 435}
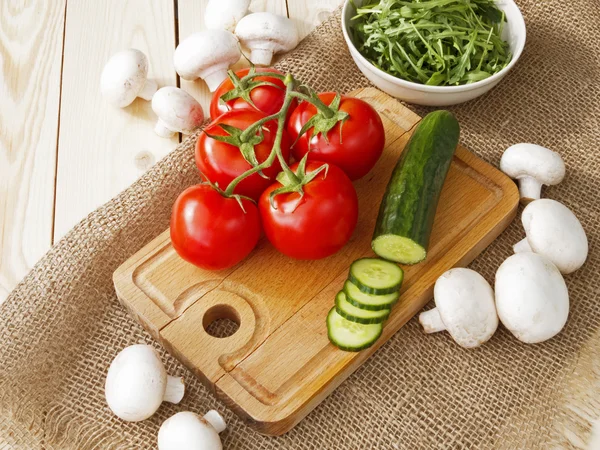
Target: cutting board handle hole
{"x": 221, "y": 321}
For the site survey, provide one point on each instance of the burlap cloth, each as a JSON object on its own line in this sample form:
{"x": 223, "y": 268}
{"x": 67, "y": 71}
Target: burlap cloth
{"x": 63, "y": 325}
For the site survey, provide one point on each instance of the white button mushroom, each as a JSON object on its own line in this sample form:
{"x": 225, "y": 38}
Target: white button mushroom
{"x": 177, "y": 111}
{"x": 555, "y": 232}
{"x": 207, "y": 55}
{"x": 531, "y": 297}
{"x": 464, "y": 305}
{"x": 137, "y": 384}
{"x": 225, "y": 14}
{"x": 189, "y": 431}
{"x": 125, "y": 77}
{"x": 532, "y": 166}
{"x": 265, "y": 34}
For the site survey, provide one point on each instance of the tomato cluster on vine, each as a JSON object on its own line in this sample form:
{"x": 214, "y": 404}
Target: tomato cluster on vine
{"x": 261, "y": 119}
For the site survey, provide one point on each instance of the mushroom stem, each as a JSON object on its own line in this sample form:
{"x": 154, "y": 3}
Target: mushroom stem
{"x": 175, "y": 390}
{"x": 261, "y": 56}
{"x": 163, "y": 130}
{"x": 431, "y": 321}
{"x": 214, "y": 79}
{"x": 530, "y": 189}
{"x": 148, "y": 90}
{"x": 522, "y": 246}
{"x": 216, "y": 420}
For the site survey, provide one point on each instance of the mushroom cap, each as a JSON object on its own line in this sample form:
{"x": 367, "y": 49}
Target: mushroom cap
{"x": 268, "y": 31}
{"x": 136, "y": 383}
{"x": 465, "y": 302}
{"x": 225, "y": 14}
{"x": 555, "y": 232}
{"x": 189, "y": 431}
{"x": 124, "y": 76}
{"x": 177, "y": 109}
{"x": 531, "y": 160}
{"x": 204, "y": 50}
{"x": 531, "y": 297}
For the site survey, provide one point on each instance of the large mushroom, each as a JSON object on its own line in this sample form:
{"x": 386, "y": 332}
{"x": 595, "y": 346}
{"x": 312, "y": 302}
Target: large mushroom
{"x": 531, "y": 297}
{"x": 555, "y": 232}
{"x": 137, "y": 384}
{"x": 177, "y": 111}
{"x": 464, "y": 306}
{"x": 532, "y": 166}
{"x": 225, "y": 14}
{"x": 124, "y": 78}
{"x": 189, "y": 431}
{"x": 265, "y": 34}
{"x": 207, "y": 55}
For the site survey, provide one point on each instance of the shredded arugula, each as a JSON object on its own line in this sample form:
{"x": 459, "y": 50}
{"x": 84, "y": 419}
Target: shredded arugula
{"x": 433, "y": 42}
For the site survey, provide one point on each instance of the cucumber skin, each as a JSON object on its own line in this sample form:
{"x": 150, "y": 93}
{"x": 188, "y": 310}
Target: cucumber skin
{"x": 409, "y": 204}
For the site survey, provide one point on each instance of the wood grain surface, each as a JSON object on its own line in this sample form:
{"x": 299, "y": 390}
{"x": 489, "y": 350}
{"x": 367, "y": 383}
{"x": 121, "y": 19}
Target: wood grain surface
{"x": 31, "y": 42}
{"x": 63, "y": 150}
{"x": 279, "y": 364}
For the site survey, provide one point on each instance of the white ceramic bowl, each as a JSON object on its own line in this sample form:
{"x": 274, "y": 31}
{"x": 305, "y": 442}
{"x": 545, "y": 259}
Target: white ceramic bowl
{"x": 514, "y": 33}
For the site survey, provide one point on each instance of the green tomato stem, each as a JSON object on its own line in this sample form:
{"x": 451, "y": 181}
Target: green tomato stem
{"x": 276, "y": 150}
{"x": 316, "y": 102}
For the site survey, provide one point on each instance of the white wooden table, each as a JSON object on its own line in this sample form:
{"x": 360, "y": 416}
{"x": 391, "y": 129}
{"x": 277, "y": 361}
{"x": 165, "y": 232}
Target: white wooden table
{"x": 63, "y": 150}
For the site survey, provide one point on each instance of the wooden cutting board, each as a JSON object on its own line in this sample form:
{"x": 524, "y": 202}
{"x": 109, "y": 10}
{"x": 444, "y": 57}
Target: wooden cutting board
{"x": 279, "y": 363}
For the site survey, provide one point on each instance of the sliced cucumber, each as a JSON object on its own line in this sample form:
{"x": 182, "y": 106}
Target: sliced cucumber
{"x": 351, "y": 336}
{"x": 358, "y": 315}
{"x": 369, "y": 301}
{"x": 376, "y": 276}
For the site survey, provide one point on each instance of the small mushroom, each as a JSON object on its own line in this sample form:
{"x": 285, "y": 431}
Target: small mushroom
{"x": 189, "y": 431}
{"x": 464, "y": 306}
{"x": 265, "y": 34}
{"x": 137, "y": 384}
{"x": 207, "y": 55}
{"x": 532, "y": 166}
{"x": 531, "y": 297}
{"x": 177, "y": 111}
{"x": 555, "y": 232}
{"x": 225, "y": 14}
{"x": 125, "y": 77}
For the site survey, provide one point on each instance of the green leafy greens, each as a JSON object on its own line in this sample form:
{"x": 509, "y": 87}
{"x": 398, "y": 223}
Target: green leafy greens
{"x": 433, "y": 42}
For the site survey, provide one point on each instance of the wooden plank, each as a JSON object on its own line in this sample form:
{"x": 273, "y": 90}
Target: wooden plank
{"x": 279, "y": 364}
{"x": 307, "y": 14}
{"x": 191, "y": 20}
{"x": 31, "y": 42}
{"x": 103, "y": 149}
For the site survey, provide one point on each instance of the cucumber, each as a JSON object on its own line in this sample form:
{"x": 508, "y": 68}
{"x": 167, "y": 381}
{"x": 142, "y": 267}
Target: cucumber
{"x": 353, "y": 314}
{"x": 408, "y": 207}
{"x": 370, "y": 302}
{"x": 351, "y": 336}
{"x": 376, "y": 276}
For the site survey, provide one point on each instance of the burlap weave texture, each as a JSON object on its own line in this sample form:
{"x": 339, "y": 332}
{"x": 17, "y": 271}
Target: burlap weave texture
{"x": 63, "y": 325}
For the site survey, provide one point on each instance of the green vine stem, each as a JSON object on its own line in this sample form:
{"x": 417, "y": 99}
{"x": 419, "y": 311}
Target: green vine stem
{"x": 276, "y": 150}
{"x": 329, "y": 117}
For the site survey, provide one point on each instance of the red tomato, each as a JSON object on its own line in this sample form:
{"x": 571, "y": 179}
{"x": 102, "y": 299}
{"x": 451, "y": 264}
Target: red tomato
{"x": 320, "y": 223}
{"x": 268, "y": 99}
{"x": 221, "y": 162}
{"x": 357, "y": 149}
{"x": 212, "y": 231}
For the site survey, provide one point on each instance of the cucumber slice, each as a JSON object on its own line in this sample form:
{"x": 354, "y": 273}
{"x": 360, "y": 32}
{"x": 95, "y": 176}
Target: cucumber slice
{"x": 358, "y": 315}
{"x": 369, "y": 301}
{"x": 398, "y": 248}
{"x": 376, "y": 276}
{"x": 351, "y": 336}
